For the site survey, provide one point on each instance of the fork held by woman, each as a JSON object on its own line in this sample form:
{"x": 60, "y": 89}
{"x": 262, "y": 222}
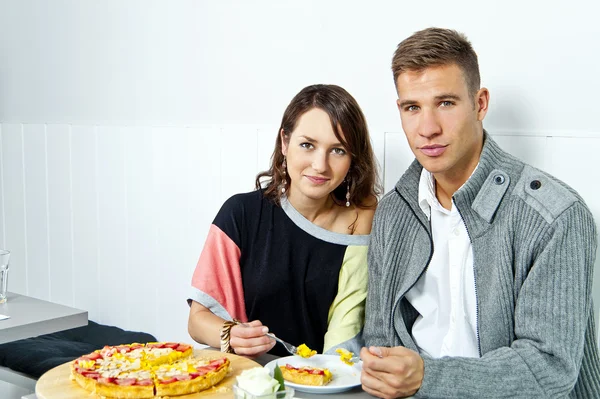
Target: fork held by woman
{"x": 289, "y": 347}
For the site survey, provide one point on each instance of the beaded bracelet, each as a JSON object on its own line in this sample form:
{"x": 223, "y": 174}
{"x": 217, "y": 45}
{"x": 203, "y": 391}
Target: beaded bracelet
{"x": 226, "y": 335}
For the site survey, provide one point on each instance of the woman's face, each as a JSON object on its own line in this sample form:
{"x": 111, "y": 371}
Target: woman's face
{"x": 317, "y": 162}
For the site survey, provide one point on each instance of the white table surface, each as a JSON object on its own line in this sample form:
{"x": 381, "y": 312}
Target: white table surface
{"x": 30, "y": 317}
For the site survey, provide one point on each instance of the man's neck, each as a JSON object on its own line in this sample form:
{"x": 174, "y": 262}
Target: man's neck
{"x": 446, "y": 186}
{"x": 444, "y": 194}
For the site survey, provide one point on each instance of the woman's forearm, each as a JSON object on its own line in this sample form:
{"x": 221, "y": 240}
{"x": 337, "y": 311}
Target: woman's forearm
{"x": 204, "y": 326}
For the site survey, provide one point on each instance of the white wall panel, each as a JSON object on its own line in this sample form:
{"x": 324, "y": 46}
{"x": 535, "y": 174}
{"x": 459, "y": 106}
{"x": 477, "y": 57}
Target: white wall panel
{"x": 113, "y": 274}
{"x": 1, "y": 194}
{"x": 87, "y": 288}
{"x": 530, "y": 149}
{"x": 265, "y": 145}
{"x": 172, "y": 269}
{"x": 203, "y": 192}
{"x": 144, "y": 290}
{"x": 36, "y": 210}
{"x": 238, "y": 146}
{"x": 13, "y": 178}
{"x": 397, "y": 158}
{"x": 60, "y": 219}
{"x": 378, "y": 143}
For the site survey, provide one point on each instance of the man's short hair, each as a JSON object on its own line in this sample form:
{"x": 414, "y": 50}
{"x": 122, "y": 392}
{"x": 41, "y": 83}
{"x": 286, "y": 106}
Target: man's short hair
{"x": 437, "y": 47}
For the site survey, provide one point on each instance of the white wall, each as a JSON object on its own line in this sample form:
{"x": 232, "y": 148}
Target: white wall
{"x": 125, "y": 124}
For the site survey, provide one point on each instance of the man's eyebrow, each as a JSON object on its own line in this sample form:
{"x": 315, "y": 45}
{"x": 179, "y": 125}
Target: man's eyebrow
{"x": 447, "y": 96}
{"x": 440, "y": 97}
{"x": 406, "y": 103}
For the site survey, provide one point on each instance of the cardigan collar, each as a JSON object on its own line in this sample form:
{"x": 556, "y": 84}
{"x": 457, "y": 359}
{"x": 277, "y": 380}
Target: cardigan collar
{"x": 479, "y": 198}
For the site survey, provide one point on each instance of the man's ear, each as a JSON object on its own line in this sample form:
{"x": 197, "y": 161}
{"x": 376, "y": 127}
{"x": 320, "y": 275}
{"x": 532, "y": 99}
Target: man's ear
{"x": 482, "y": 102}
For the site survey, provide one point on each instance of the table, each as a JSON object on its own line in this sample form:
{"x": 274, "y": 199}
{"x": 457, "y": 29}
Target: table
{"x": 30, "y": 317}
{"x": 52, "y": 384}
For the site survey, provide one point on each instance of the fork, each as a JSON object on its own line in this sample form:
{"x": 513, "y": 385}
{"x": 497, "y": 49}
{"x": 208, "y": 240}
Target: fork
{"x": 289, "y": 347}
{"x": 355, "y": 359}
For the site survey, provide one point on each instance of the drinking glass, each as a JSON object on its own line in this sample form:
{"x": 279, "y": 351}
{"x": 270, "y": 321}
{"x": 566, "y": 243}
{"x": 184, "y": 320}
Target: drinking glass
{"x": 4, "y": 257}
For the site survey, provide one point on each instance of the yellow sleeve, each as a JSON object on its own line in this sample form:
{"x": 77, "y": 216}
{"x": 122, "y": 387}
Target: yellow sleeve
{"x": 347, "y": 312}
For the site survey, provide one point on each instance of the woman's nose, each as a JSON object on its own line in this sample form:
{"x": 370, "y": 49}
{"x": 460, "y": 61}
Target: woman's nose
{"x": 319, "y": 163}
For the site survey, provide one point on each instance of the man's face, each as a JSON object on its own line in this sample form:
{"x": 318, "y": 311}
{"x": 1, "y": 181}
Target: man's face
{"x": 442, "y": 122}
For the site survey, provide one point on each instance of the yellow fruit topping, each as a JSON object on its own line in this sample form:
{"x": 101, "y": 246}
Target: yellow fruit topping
{"x": 87, "y": 364}
{"x": 305, "y": 351}
{"x": 345, "y": 356}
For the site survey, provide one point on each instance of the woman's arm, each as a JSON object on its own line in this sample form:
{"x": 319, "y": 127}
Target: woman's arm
{"x": 246, "y": 338}
{"x": 347, "y": 312}
{"x": 204, "y": 326}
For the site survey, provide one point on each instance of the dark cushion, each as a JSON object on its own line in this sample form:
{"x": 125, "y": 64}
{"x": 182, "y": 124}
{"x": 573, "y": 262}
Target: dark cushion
{"x": 35, "y": 356}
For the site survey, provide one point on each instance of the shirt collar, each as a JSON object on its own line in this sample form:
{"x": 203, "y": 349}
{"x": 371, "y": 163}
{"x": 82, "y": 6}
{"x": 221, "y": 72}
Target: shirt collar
{"x": 427, "y": 197}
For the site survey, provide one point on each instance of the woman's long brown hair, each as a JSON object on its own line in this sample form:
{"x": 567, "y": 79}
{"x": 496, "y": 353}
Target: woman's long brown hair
{"x": 350, "y": 127}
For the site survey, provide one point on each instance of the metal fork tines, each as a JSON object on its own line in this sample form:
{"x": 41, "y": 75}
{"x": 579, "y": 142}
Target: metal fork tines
{"x": 289, "y": 347}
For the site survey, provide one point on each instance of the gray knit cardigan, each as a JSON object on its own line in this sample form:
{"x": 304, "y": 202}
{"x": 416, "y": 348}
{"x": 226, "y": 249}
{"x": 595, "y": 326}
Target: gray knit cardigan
{"x": 534, "y": 245}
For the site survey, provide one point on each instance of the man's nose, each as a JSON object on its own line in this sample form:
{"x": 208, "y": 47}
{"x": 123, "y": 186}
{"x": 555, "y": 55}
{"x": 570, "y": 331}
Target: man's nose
{"x": 429, "y": 124}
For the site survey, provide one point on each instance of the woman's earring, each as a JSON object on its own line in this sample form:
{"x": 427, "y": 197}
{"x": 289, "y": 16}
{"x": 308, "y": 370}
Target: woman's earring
{"x": 284, "y": 174}
{"x": 348, "y": 193}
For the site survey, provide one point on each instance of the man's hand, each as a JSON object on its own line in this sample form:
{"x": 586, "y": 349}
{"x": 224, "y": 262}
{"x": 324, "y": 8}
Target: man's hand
{"x": 249, "y": 339}
{"x": 391, "y": 372}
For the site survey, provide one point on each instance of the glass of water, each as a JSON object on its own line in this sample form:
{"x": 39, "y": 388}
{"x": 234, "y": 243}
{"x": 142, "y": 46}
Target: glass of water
{"x": 4, "y": 257}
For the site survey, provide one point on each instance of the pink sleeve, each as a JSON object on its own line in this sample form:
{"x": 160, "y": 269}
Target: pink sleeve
{"x": 218, "y": 274}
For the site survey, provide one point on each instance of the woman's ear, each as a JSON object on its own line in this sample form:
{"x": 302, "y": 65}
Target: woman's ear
{"x": 284, "y": 142}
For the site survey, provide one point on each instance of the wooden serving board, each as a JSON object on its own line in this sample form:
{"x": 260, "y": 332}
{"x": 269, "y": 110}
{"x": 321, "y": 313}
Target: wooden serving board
{"x": 57, "y": 383}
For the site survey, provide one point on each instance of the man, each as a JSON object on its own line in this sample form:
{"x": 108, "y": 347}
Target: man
{"x": 480, "y": 266}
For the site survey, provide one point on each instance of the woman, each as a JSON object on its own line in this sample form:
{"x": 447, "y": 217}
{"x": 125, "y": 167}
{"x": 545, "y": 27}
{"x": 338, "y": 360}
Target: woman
{"x": 290, "y": 258}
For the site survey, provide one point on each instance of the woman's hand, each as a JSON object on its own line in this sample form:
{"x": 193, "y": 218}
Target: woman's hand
{"x": 249, "y": 339}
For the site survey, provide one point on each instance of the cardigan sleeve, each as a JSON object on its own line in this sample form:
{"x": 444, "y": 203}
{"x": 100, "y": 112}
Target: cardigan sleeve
{"x": 375, "y": 322}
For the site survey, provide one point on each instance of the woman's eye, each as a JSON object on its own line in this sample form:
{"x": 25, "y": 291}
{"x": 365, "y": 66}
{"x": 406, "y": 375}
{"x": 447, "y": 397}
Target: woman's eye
{"x": 339, "y": 151}
{"x": 307, "y": 146}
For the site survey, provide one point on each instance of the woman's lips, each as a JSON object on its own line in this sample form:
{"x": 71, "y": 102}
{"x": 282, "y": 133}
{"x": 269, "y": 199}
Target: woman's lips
{"x": 317, "y": 180}
{"x": 433, "y": 150}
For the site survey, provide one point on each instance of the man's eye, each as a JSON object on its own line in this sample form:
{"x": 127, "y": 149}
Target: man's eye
{"x": 307, "y": 146}
{"x": 339, "y": 151}
{"x": 446, "y": 103}
{"x": 412, "y": 108}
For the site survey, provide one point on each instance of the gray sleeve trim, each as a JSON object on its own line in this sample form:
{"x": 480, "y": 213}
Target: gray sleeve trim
{"x": 209, "y": 302}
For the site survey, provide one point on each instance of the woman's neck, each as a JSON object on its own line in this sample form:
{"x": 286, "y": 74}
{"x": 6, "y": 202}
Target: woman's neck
{"x": 312, "y": 209}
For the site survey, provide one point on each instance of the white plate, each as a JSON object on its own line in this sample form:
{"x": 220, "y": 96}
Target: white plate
{"x": 345, "y": 377}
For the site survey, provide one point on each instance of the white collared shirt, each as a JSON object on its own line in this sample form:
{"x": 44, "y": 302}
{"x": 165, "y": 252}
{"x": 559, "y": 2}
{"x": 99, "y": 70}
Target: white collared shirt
{"x": 444, "y": 295}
